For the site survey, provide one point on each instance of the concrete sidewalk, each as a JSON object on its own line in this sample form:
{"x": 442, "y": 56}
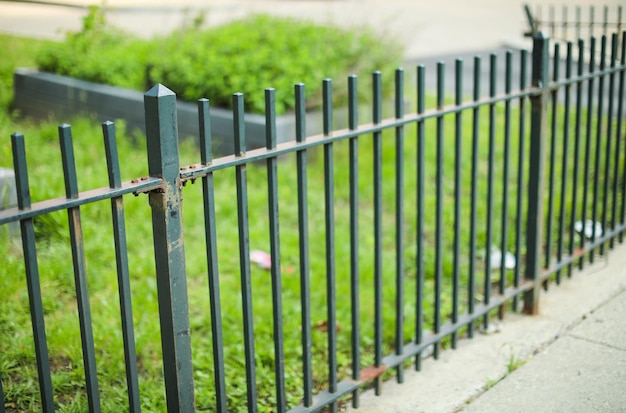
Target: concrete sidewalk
{"x": 569, "y": 358}
{"x": 584, "y": 370}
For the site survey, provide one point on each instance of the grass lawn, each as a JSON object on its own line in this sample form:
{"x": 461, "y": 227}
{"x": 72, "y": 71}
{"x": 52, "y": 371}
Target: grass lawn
{"x": 17, "y": 361}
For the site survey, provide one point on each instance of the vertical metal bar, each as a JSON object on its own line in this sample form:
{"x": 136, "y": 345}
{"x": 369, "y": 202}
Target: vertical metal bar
{"x": 616, "y": 161}
{"x": 490, "y": 182}
{"x": 329, "y": 208}
{"x": 605, "y": 21}
{"x": 327, "y": 106}
{"x": 123, "y": 273}
{"x": 169, "y": 253}
{"x": 272, "y": 187}
{"x": 204, "y": 125}
{"x": 2, "y": 410}
{"x": 419, "y": 256}
{"x": 80, "y": 271}
{"x": 504, "y": 236}
{"x": 620, "y": 112}
{"x": 598, "y": 149}
{"x": 439, "y": 209}
{"x": 618, "y": 26}
{"x": 399, "y": 109}
{"x": 353, "y": 122}
{"x": 378, "y": 227}
{"x": 303, "y": 230}
{"x": 537, "y": 170}
{"x": 618, "y": 30}
{"x": 244, "y": 251}
{"x": 521, "y": 158}
{"x": 553, "y": 138}
{"x": 471, "y": 296}
{"x": 577, "y": 143}
{"x": 565, "y": 22}
{"x": 565, "y": 158}
{"x": 552, "y": 21}
{"x": 607, "y": 133}
{"x": 353, "y": 103}
{"x": 458, "y": 164}
{"x": 29, "y": 248}
{"x": 208, "y": 191}
{"x": 586, "y": 169}
{"x": 578, "y": 11}
{"x": 592, "y": 10}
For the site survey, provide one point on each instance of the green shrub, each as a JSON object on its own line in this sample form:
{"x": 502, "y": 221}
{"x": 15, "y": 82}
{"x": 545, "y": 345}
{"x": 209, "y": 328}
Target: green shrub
{"x": 16, "y": 52}
{"x": 263, "y": 51}
{"x": 246, "y": 56}
{"x": 98, "y": 53}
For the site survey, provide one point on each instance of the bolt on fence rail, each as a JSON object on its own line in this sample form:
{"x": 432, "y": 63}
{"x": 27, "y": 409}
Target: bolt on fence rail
{"x": 404, "y": 295}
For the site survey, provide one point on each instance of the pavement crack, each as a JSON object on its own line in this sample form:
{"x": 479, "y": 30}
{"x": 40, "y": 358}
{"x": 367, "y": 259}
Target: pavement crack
{"x": 592, "y": 341}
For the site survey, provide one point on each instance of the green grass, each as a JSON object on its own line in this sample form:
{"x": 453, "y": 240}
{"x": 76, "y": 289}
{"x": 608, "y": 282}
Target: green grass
{"x": 17, "y": 363}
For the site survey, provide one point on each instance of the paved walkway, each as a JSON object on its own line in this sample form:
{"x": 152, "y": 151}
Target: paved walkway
{"x": 570, "y": 358}
{"x": 584, "y": 370}
{"x": 573, "y": 354}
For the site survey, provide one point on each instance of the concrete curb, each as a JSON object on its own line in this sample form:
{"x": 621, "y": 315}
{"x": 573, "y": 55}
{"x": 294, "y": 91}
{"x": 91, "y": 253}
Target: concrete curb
{"x": 44, "y": 95}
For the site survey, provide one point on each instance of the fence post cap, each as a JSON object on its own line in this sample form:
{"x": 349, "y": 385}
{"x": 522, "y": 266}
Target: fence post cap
{"x": 159, "y": 90}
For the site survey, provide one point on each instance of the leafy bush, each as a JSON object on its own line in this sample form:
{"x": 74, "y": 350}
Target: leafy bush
{"x": 99, "y": 53}
{"x": 263, "y": 51}
{"x": 246, "y": 56}
{"x": 15, "y": 52}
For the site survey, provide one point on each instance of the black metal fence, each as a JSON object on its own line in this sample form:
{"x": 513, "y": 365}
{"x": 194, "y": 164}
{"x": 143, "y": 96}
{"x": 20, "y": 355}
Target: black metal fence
{"x": 573, "y": 22}
{"x": 531, "y": 181}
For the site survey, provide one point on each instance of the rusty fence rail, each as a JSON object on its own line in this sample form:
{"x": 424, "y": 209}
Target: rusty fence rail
{"x": 554, "y": 161}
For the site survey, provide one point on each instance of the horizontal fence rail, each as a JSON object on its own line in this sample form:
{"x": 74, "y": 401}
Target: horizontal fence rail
{"x": 312, "y": 268}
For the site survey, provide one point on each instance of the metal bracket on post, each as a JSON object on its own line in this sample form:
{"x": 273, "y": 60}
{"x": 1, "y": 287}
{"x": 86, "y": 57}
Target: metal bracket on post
{"x": 534, "y": 226}
{"x": 532, "y": 23}
{"x": 169, "y": 253}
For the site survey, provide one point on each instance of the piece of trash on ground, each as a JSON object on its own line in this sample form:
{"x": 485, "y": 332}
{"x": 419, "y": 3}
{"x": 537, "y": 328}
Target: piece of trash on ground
{"x": 322, "y": 326}
{"x": 589, "y": 225}
{"x": 496, "y": 259}
{"x": 261, "y": 258}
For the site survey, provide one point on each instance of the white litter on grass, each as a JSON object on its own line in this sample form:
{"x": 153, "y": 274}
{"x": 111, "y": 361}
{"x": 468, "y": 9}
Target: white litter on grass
{"x": 261, "y": 258}
{"x": 496, "y": 259}
{"x": 589, "y": 225}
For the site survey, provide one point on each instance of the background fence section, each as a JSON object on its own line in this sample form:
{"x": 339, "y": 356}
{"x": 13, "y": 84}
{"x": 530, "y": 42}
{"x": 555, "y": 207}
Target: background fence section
{"x": 573, "y": 22}
{"x": 379, "y": 244}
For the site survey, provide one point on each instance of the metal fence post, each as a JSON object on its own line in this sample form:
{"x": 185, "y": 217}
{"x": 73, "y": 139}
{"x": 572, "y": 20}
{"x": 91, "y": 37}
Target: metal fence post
{"x": 163, "y": 162}
{"x": 534, "y": 225}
